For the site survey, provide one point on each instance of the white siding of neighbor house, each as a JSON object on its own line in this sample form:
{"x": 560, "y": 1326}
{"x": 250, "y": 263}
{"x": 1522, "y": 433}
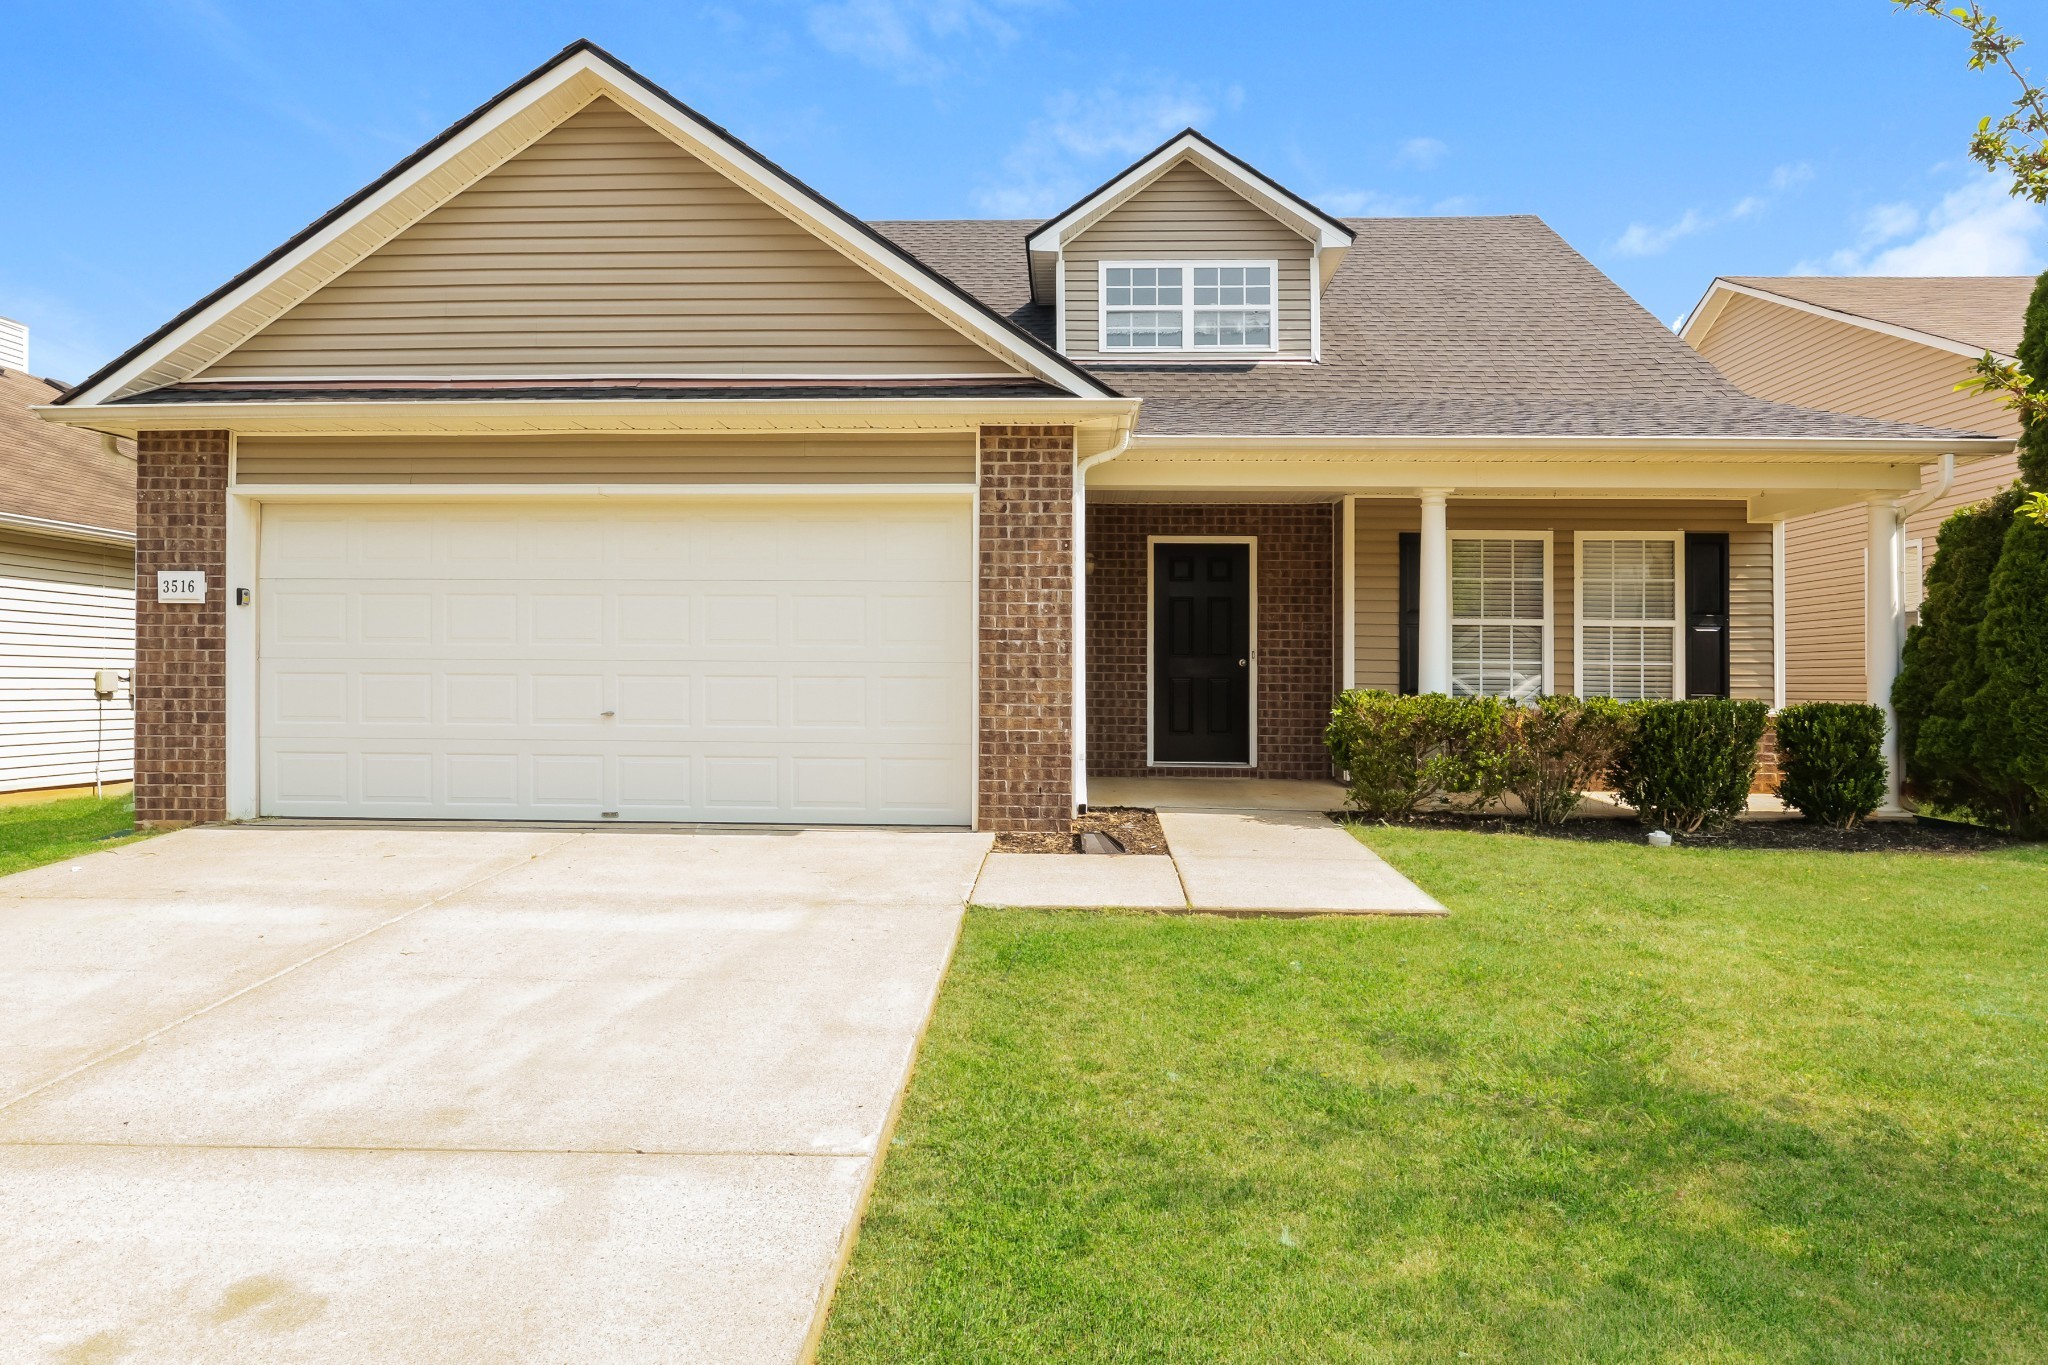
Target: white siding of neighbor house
{"x": 66, "y": 609}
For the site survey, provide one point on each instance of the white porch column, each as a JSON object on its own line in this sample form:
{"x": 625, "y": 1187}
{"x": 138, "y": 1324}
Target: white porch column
{"x": 1433, "y": 633}
{"x": 1883, "y": 626}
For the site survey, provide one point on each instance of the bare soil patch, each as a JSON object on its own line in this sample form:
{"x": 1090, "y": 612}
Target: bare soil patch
{"x": 1136, "y": 829}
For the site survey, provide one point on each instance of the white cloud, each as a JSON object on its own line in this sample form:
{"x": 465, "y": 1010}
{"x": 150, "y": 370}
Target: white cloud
{"x": 1422, "y": 153}
{"x": 903, "y": 37}
{"x": 1365, "y": 203}
{"x": 1976, "y": 230}
{"x": 1644, "y": 239}
{"x": 1081, "y": 138}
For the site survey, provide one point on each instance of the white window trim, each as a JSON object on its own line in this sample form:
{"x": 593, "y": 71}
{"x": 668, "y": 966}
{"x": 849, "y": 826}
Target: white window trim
{"x": 1251, "y": 702}
{"x": 1677, "y": 539}
{"x": 1187, "y": 308}
{"x": 1549, "y": 595}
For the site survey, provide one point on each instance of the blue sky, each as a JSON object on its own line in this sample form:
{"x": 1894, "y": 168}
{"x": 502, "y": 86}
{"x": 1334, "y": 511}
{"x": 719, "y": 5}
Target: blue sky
{"x": 160, "y": 147}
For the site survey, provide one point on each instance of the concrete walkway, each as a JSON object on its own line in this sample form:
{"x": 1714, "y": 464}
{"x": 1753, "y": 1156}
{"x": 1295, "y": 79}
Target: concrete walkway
{"x": 436, "y": 1095}
{"x": 1241, "y": 862}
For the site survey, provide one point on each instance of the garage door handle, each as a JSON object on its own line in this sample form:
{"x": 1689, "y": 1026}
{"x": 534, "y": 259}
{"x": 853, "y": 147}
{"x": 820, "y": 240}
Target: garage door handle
{"x": 607, "y": 714}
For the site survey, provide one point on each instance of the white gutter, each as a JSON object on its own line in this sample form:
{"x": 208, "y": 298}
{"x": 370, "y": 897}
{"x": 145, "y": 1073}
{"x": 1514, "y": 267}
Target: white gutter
{"x": 1847, "y": 447}
{"x": 1079, "y": 743}
{"x": 69, "y": 530}
{"x": 1943, "y": 481}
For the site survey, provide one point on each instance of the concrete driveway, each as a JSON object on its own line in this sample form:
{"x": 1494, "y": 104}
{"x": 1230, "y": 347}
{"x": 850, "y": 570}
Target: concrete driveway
{"x": 413, "y": 1094}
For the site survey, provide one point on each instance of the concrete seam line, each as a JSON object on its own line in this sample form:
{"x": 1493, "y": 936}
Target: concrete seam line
{"x": 232, "y": 996}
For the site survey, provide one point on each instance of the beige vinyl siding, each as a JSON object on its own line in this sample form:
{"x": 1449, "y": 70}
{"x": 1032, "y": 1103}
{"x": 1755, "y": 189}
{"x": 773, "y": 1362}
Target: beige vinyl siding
{"x": 66, "y": 608}
{"x": 599, "y": 460}
{"x": 605, "y": 249}
{"x": 1186, "y": 214}
{"x": 1792, "y": 356}
{"x": 1824, "y": 598}
{"x": 1377, "y": 600}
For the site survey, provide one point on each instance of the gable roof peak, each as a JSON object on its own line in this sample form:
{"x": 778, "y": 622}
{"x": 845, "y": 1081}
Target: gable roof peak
{"x": 1332, "y": 237}
{"x": 476, "y": 144}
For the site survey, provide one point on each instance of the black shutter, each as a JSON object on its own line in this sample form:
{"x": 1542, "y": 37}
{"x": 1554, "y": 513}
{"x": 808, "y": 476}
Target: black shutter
{"x": 1706, "y": 614}
{"x": 1411, "y": 610}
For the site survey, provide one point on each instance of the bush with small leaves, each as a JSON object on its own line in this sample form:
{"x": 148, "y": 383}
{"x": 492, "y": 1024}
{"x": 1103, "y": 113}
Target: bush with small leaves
{"x": 1558, "y": 749}
{"x": 1832, "y": 756}
{"x": 1403, "y": 752}
{"x": 1688, "y": 765}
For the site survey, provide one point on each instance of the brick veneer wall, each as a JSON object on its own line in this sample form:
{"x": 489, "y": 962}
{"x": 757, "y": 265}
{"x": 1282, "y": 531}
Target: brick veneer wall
{"x": 1298, "y": 677}
{"x": 181, "y": 480}
{"x": 1027, "y": 613}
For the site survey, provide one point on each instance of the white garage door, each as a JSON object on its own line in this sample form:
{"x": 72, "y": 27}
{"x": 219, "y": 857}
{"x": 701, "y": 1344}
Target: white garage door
{"x": 804, "y": 662}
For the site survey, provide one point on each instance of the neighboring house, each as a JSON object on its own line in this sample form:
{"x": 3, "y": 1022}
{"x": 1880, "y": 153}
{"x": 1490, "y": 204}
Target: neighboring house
{"x": 67, "y": 590}
{"x": 588, "y": 465}
{"x": 1887, "y": 347}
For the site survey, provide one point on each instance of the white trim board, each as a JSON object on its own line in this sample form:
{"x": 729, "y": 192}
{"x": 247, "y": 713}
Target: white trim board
{"x": 1251, "y": 645}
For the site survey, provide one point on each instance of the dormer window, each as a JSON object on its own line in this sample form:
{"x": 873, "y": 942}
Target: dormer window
{"x": 1187, "y": 305}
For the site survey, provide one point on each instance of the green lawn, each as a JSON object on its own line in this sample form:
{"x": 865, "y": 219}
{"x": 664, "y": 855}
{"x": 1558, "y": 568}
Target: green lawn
{"x": 50, "y": 831}
{"x": 1624, "y": 1104}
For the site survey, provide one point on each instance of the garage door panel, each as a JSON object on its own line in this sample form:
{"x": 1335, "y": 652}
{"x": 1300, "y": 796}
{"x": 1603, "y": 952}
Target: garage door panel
{"x": 806, "y": 663}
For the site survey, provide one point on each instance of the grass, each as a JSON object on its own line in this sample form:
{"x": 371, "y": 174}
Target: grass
{"x": 1625, "y": 1103}
{"x": 51, "y": 831}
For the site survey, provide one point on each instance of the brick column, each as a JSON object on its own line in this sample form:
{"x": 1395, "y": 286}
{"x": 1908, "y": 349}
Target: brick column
{"x": 1027, "y": 613}
{"x": 181, "y": 480}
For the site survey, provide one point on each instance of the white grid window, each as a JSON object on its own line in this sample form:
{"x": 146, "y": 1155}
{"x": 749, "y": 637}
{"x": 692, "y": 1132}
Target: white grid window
{"x": 1203, "y": 306}
{"x": 1499, "y": 616}
{"x": 1628, "y": 616}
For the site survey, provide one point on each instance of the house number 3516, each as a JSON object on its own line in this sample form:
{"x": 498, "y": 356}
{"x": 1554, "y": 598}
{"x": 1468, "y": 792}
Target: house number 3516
{"x": 180, "y": 585}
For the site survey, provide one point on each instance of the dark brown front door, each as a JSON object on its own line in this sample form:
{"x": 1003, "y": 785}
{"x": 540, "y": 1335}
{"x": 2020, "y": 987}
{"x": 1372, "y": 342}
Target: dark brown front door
{"x": 1201, "y": 653}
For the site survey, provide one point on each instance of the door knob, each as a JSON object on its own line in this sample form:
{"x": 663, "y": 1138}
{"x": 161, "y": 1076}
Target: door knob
{"x": 1240, "y": 663}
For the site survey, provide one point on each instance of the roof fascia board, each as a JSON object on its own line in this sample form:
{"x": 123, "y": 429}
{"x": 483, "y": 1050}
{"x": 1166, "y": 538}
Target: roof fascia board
{"x": 587, "y": 65}
{"x": 1327, "y": 233}
{"x": 595, "y": 416}
{"x": 1923, "y": 448}
{"x": 1709, "y": 309}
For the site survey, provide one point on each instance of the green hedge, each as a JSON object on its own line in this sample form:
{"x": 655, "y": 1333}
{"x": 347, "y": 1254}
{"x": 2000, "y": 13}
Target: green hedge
{"x": 1832, "y": 757}
{"x": 1403, "y": 752}
{"x": 1560, "y": 748}
{"x": 1688, "y": 765}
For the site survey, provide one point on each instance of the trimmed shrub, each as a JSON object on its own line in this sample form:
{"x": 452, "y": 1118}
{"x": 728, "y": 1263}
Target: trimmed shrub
{"x": 1688, "y": 765}
{"x": 1558, "y": 749}
{"x": 2032, "y": 354}
{"x": 1402, "y": 752}
{"x": 1832, "y": 754}
{"x": 2009, "y": 713}
{"x": 1951, "y": 759}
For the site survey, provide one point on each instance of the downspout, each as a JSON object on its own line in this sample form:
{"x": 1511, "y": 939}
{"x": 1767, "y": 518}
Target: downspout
{"x": 1080, "y": 706}
{"x": 1910, "y": 507}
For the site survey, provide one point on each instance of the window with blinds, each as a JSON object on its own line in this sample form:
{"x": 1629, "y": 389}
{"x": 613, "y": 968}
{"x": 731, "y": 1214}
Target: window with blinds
{"x": 1499, "y": 615}
{"x": 1628, "y": 616}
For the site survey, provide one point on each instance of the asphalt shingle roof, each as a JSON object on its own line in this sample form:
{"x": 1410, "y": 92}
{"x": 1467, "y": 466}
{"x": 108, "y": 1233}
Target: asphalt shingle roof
{"x": 1982, "y": 312}
{"x": 1431, "y": 327}
{"x": 58, "y": 473}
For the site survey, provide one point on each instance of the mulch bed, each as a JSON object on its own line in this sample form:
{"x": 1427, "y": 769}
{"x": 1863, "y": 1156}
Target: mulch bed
{"x": 1922, "y": 834}
{"x": 1137, "y": 830}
